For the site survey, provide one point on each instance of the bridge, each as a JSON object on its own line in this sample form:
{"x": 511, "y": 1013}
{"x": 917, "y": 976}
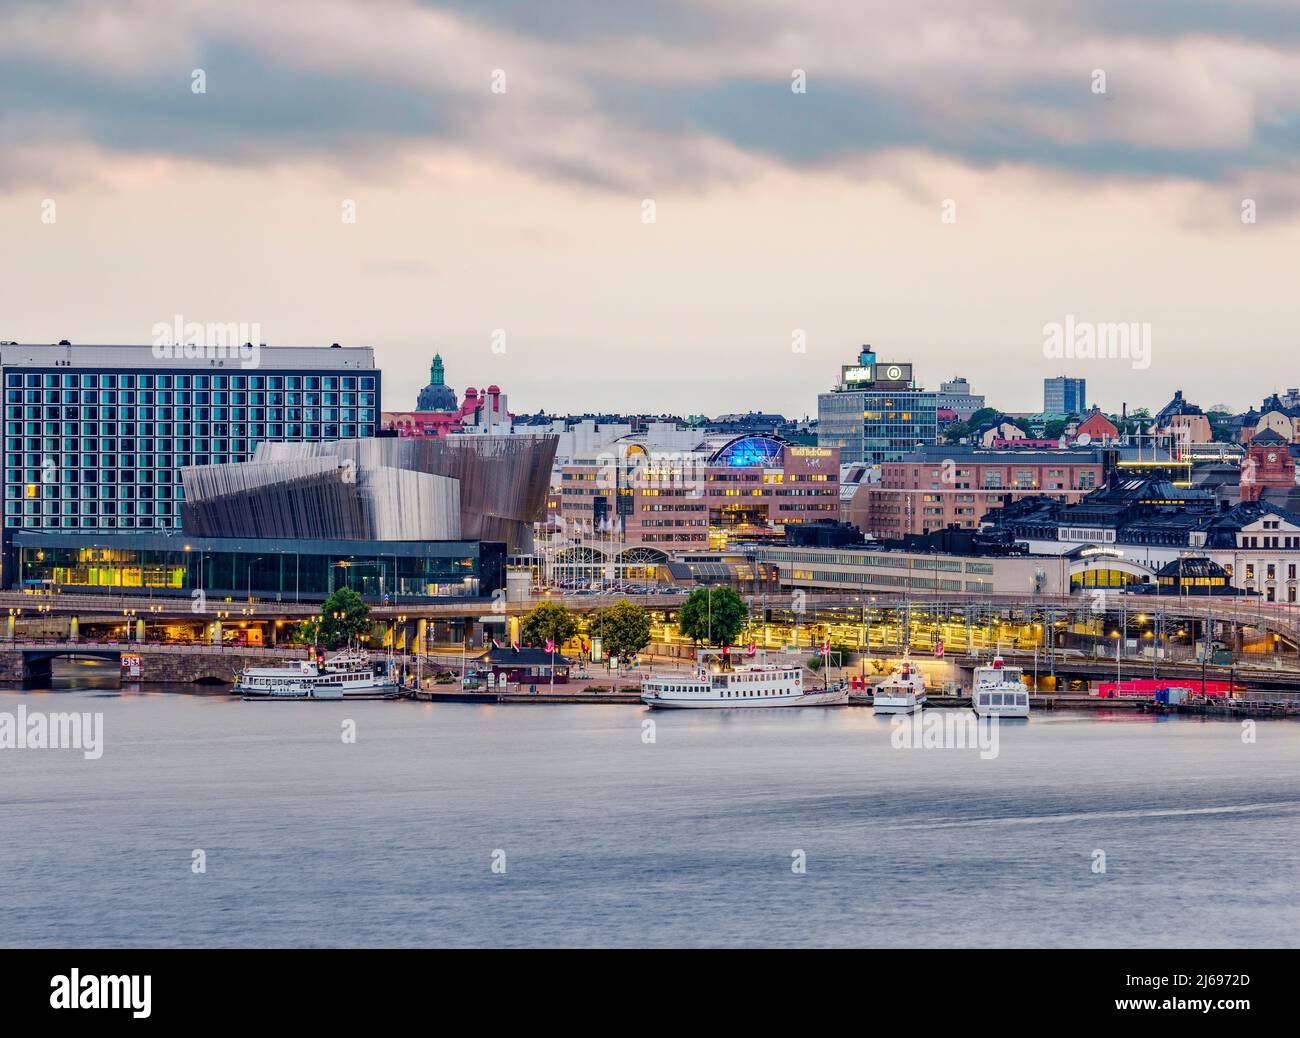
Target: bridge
{"x": 30, "y": 661}
{"x": 1067, "y": 631}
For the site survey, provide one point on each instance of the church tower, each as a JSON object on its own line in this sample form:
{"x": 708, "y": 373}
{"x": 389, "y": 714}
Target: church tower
{"x": 437, "y": 395}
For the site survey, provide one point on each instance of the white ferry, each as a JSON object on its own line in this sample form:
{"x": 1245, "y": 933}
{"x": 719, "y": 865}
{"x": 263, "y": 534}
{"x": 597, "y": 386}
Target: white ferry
{"x": 746, "y": 685}
{"x": 900, "y": 693}
{"x": 346, "y": 675}
{"x": 997, "y": 691}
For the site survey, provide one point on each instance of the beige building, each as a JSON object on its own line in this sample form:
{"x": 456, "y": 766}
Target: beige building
{"x": 873, "y": 571}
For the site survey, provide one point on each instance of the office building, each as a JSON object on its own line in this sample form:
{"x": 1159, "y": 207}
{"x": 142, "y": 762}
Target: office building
{"x": 955, "y": 396}
{"x": 936, "y": 486}
{"x": 876, "y": 413}
{"x": 1064, "y": 396}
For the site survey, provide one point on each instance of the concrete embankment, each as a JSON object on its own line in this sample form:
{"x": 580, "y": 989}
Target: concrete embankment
{"x": 577, "y": 695}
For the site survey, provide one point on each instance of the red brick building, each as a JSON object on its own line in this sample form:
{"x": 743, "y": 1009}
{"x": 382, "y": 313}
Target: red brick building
{"x": 939, "y": 486}
{"x": 1098, "y": 428}
{"x": 688, "y": 500}
{"x": 1268, "y": 463}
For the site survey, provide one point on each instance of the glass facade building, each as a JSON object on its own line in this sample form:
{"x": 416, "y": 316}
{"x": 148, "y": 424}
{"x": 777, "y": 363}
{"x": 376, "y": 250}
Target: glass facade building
{"x": 876, "y": 426}
{"x": 876, "y": 413}
{"x": 95, "y": 436}
{"x": 266, "y": 569}
{"x": 1065, "y": 396}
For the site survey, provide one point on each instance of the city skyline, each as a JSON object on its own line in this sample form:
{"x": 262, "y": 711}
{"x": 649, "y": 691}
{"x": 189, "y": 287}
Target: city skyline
{"x": 942, "y": 183}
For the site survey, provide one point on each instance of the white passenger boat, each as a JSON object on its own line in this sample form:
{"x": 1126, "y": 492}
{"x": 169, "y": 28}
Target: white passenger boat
{"x": 744, "y": 685}
{"x": 349, "y": 674}
{"x": 900, "y": 693}
{"x": 997, "y": 691}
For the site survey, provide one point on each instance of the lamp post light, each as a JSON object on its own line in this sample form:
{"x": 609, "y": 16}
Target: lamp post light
{"x": 1118, "y": 636}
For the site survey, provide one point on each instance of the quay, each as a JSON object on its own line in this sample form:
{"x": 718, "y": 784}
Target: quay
{"x": 1261, "y": 705}
{"x": 566, "y": 696}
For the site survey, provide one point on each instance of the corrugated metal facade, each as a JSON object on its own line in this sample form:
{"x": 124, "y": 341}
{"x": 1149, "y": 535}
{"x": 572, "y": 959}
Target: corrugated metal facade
{"x": 486, "y": 488}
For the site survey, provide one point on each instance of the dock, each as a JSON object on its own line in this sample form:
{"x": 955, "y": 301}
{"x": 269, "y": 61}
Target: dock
{"x": 1261, "y": 705}
{"x": 496, "y": 696}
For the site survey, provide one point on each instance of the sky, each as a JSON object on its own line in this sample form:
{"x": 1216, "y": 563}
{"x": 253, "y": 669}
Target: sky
{"x": 672, "y": 207}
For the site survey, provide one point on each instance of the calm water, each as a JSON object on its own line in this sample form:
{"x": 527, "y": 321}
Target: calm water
{"x": 608, "y": 841}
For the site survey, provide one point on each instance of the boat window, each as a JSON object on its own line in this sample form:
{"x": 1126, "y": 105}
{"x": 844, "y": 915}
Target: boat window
{"x": 1022, "y": 699}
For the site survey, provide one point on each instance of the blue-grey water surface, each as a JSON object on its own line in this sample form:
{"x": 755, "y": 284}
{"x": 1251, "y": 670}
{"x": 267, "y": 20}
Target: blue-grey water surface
{"x": 608, "y": 840}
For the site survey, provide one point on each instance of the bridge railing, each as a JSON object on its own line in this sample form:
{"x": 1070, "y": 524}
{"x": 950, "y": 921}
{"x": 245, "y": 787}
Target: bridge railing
{"x": 119, "y": 645}
{"x": 1272, "y": 698}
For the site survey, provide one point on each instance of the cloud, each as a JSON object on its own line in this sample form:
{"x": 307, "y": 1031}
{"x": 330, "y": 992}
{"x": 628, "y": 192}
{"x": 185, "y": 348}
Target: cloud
{"x": 621, "y": 97}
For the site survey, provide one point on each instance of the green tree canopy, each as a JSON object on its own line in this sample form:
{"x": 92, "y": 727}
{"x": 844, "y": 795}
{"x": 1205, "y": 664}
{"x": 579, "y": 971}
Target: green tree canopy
{"x": 727, "y": 609}
{"x": 956, "y": 431}
{"x": 983, "y": 416}
{"x": 547, "y": 620}
{"x": 624, "y": 629}
{"x": 343, "y": 618}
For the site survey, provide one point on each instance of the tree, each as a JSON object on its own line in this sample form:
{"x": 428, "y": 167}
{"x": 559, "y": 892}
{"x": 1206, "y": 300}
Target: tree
{"x": 1219, "y": 417}
{"x": 727, "y": 609}
{"x": 344, "y": 618}
{"x": 1054, "y": 429}
{"x": 624, "y": 629}
{"x": 956, "y": 431}
{"x": 547, "y": 620}
{"x": 983, "y": 416}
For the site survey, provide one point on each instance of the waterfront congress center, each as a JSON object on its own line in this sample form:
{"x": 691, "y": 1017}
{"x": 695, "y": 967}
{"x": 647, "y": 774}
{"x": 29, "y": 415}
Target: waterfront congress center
{"x": 166, "y": 478}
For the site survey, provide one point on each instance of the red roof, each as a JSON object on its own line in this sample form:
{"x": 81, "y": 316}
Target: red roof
{"x": 1098, "y": 426}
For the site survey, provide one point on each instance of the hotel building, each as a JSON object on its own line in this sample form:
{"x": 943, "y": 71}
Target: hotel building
{"x": 96, "y": 436}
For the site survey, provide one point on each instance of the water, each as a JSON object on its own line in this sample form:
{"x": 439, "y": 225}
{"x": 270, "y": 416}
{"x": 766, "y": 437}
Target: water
{"x": 608, "y": 841}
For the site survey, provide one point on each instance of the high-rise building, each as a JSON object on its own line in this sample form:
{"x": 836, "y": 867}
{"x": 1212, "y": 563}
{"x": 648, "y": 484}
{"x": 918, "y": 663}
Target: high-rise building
{"x": 956, "y": 396}
{"x": 1064, "y": 396}
{"x": 96, "y": 436}
{"x": 876, "y": 413}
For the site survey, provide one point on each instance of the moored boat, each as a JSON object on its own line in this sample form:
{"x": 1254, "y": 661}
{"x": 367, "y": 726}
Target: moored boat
{"x": 900, "y": 693}
{"x": 349, "y": 674}
{"x": 746, "y": 685}
{"x": 998, "y": 691}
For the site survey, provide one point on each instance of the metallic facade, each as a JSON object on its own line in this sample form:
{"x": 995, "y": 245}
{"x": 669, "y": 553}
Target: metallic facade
{"x": 479, "y": 488}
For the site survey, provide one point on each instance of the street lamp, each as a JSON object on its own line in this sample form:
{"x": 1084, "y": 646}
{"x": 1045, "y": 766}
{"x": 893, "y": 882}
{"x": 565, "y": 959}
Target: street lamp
{"x": 1117, "y": 673}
